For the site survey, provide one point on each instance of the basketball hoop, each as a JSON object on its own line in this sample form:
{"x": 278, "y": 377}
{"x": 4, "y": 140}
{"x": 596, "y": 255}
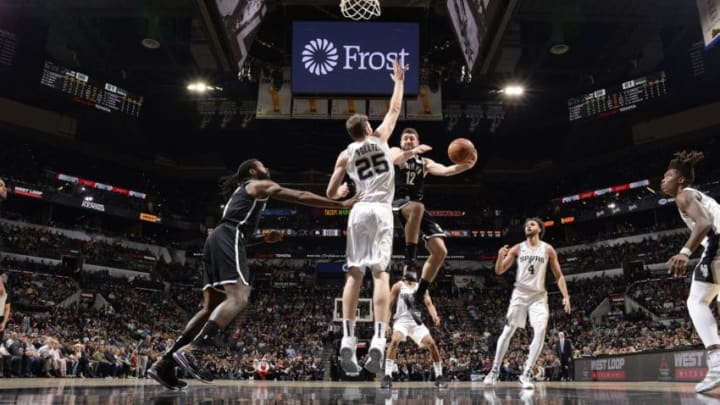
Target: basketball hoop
{"x": 360, "y": 9}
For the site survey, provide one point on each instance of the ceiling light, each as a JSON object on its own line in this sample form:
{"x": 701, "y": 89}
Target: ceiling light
{"x": 513, "y": 90}
{"x": 150, "y": 43}
{"x": 559, "y": 49}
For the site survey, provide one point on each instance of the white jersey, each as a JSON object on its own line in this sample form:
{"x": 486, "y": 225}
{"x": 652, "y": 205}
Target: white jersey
{"x": 3, "y": 300}
{"x": 401, "y": 309}
{"x": 532, "y": 267}
{"x": 712, "y": 210}
{"x": 370, "y": 167}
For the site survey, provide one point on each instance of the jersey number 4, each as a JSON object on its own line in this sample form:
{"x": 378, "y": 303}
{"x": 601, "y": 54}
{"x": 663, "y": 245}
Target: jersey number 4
{"x": 531, "y": 269}
{"x": 372, "y": 165}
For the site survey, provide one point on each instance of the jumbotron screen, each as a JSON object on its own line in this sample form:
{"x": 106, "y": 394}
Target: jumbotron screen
{"x": 94, "y": 93}
{"x": 625, "y": 97}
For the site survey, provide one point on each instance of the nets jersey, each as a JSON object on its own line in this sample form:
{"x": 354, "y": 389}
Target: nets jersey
{"x": 370, "y": 167}
{"x": 410, "y": 179}
{"x": 532, "y": 266}
{"x": 243, "y": 210}
{"x": 712, "y": 210}
{"x": 401, "y": 309}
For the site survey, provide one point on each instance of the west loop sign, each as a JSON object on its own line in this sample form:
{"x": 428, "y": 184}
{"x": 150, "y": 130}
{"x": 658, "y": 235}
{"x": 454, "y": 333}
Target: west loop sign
{"x": 353, "y": 58}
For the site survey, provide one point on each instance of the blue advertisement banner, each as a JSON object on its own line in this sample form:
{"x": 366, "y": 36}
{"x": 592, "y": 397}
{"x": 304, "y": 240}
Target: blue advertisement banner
{"x": 345, "y": 58}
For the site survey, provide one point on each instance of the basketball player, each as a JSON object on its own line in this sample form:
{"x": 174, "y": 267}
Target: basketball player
{"x": 226, "y": 275}
{"x": 409, "y": 187}
{"x": 4, "y": 309}
{"x": 404, "y": 325}
{"x": 529, "y": 296}
{"x": 701, "y": 213}
{"x": 368, "y": 163}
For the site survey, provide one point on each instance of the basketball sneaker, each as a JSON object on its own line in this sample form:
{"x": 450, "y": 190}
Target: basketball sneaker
{"x": 187, "y": 358}
{"x": 375, "y": 361}
{"x": 526, "y": 380}
{"x": 413, "y": 307}
{"x": 712, "y": 378}
{"x": 442, "y": 382}
{"x": 348, "y": 359}
{"x": 163, "y": 371}
{"x": 492, "y": 377}
{"x": 386, "y": 382}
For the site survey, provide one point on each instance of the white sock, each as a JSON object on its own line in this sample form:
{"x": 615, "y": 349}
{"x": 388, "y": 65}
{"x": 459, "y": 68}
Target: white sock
{"x": 502, "y": 345}
{"x": 389, "y": 366}
{"x": 701, "y": 294}
{"x": 438, "y": 369}
{"x": 535, "y": 348}
{"x": 380, "y": 330}
{"x": 348, "y": 328}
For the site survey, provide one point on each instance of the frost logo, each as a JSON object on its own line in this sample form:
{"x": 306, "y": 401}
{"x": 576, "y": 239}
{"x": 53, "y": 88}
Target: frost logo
{"x": 320, "y": 56}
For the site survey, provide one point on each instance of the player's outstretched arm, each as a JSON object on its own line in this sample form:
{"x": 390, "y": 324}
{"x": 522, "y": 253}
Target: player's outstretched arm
{"x": 439, "y": 169}
{"x": 385, "y": 129}
{"x": 559, "y": 277}
{"x": 400, "y": 156}
{"x": 334, "y": 189}
{"x": 268, "y": 188}
{"x": 688, "y": 204}
{"x": 394, "y": 294}
{"x": 506, "y": 257}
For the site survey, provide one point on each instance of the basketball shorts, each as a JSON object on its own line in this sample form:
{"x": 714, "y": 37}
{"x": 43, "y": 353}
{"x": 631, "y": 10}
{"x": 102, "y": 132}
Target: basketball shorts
{"x": 224, "y": 258}
{"x": 408, "y": 328}
{"x": 428, "y": 227}
{"x": 708, "y": 268}
{"x": 533, "y": 304}
{"x": 370, "y": 236}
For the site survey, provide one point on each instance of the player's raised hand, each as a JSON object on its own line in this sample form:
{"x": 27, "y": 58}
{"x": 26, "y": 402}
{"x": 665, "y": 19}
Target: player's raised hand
{"x": 420, "y": 149}
{"x": 436, "y": 320}
{"x": 343, "y": 190}
{"x": 503, "y": 251}
{"x": 398, "y": 73}
{"x": 473, "y": 158}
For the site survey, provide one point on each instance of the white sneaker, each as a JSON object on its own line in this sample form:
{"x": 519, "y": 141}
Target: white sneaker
{"x": 491, "y": 378}
{"x": 376, "y": 355}
{"x": 348, "y": 359}
{"x": 712, "y": 378}
{"x": 526, "y": 381}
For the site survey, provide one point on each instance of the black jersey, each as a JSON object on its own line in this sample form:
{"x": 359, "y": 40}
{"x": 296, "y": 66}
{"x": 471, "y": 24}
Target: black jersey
{"x": 410, "y": 179}
{"x": 243, "y": 211}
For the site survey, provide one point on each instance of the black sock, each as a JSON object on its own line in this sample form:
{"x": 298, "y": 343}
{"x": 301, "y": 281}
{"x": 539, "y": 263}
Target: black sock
{"x": 422, "y": 287}
{"x": 410, "y": 252}
{"x": 207, "y": 335}
{"x": 180, "y": 342}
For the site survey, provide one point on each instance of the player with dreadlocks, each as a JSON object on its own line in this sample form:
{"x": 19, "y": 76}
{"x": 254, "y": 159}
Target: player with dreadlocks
{"x": 701, "y": 213}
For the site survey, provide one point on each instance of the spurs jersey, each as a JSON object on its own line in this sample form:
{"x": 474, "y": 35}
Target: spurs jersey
{"x": 712, "y": 210}
{"x": 243, "y": 211}
{"x": 3, "y": 300}
{"x": 370, "y": 167}
{"x": 410, "y": 179}
{"x": 532, "y": 266}
{"x": 401, "y": 309}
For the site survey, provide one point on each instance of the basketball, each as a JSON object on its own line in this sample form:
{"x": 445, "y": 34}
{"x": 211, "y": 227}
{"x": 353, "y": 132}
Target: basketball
{"x": 460, "y": 150}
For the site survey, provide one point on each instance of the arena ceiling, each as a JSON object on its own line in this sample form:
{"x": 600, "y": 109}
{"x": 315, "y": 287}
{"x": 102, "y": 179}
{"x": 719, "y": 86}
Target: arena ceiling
{"x": 609, "y": 41}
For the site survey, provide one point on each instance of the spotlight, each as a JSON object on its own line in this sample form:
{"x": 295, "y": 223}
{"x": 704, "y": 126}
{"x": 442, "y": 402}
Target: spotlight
{"x": 202, "y": 87}
{"x": 513, "y": 90}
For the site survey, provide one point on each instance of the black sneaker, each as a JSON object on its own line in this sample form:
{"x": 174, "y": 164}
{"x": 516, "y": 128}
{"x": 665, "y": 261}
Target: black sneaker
{"x": 442, "y": 382}
{"x": 413, "y": 307}
{"x": 386, "y": 382}
{"x": 187, "y": 359}
{"x": 163, "y": 371}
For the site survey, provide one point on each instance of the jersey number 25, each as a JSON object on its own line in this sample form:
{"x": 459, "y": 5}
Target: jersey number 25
{"x": 372, "y": 165}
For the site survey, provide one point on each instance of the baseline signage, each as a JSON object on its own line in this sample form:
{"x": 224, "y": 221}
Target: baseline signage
{"x": 353, "y": 58}
{"x": 687, "y": 366}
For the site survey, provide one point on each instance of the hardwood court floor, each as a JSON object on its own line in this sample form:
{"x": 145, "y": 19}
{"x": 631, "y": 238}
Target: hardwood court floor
{"x": 38, "y": 391}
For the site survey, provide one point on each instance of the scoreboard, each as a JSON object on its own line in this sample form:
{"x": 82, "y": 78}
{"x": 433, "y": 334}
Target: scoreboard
{"x": 91, "y": 92}
{"x": 625, "y": 97}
